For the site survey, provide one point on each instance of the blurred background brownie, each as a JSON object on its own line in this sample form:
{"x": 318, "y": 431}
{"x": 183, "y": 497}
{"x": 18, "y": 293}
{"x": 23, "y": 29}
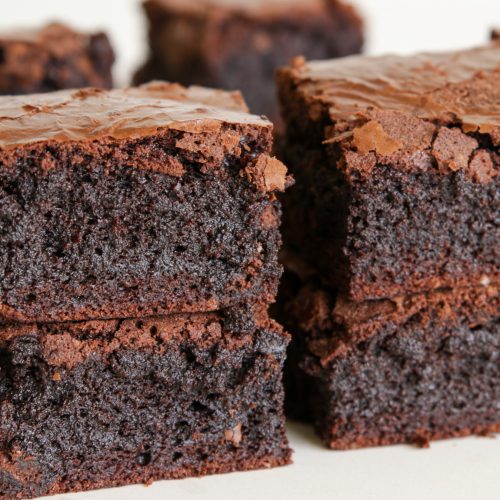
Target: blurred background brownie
{"x": 53, "y": 58}
{"x": 104, "y": 403}
{"x": 134, "y": 202}
{"x": 239, "y": 44}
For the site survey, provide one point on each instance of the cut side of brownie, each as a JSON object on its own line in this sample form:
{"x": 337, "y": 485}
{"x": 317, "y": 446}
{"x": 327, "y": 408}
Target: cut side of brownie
{"x": 403, "y": 370}
{"x": 53, "y": 58}
{"x": 396, "y": 161}
{"x": 104, "y": 403}
{"x": 239, "y": 44}
{"x": 135, "y": 202}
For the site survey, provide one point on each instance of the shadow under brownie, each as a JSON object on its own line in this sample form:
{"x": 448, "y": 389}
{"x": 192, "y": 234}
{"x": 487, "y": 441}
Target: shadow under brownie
{"x": 105, "y": 403}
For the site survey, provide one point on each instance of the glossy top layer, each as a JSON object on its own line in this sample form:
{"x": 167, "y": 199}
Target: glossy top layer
{"x": 90, "y": 114}
{"x": 453, "y": 87}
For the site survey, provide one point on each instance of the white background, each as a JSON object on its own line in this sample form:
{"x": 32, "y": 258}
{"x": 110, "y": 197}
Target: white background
{"x": 456, "y": 470}
{"x": 393, "y": 25}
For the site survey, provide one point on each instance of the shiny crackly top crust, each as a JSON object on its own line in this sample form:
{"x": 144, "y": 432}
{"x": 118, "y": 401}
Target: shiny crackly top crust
{"x": 452, "y": 86}
{"x": 413, "y": 113}
{"x": 90, "y": 114}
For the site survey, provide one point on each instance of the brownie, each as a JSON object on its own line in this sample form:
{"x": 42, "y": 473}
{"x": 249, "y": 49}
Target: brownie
{"x": 134, "y": 202}
{"x": 111, "y": 402}
{"x": 495, "y": 34}
{"x": 396, "y": 161}
{"x": 239, "y": 44}
{"x": 53, "y": 58}
{"x": 403, "y": 370}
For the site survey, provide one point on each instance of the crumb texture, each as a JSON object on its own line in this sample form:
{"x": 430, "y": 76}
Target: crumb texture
{"x": 397, "y": 169}
{"x": 397, "y": 371}
{"x": 175, "y": 212}
{"x": 105, "y": 403}
{"x": 393, "y": 231}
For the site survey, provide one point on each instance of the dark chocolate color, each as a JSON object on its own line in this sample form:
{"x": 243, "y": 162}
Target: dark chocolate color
{"x": 396, "y": 161}
{"x": 106, "y": 403}
{"x": 393, "y": 231}
{"x": 148, "y": 202}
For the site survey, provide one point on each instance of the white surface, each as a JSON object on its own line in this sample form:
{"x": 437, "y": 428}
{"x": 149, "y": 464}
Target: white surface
{"x": 459, "y": 469}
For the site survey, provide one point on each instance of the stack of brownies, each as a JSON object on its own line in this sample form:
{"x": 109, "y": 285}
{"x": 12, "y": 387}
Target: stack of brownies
{"x": 138, "y": 255}
{"x": 392, "y": 246}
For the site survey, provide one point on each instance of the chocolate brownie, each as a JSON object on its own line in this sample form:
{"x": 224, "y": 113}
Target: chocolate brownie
{"x": 402, "y": 370}
{"x": 104, "y": 403}
{"x": 134, "y": 202}
{"x": 53, "y": 58}
{"x": 239, "y": 44}
{"x": 396, "y": 161}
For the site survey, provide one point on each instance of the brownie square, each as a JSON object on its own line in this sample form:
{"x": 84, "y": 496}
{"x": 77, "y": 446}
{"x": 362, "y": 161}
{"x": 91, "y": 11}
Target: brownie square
{"x": 52, "y": 58}
{"x": 404, "y": 370}
{"x": 106, "y": 403}
{"x": 396, "y": 161}
{"x": 134, "y": 202}
{"x": 239, "y": 44}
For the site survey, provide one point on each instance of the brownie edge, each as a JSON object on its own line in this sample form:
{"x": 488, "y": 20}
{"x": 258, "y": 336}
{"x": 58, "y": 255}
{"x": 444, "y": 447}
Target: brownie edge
{"x": 405, "y": 370}
{"x": 155, "y": 200}
{"x": 106, "y": 403}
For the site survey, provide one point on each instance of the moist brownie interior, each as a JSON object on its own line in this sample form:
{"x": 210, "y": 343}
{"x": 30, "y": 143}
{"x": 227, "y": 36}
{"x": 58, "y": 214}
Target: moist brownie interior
{"x": 395, "y": 231}
{"x": 158, "y": 199}
{"x": 396, "y": 162}
{"x": 102, "y": 403}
